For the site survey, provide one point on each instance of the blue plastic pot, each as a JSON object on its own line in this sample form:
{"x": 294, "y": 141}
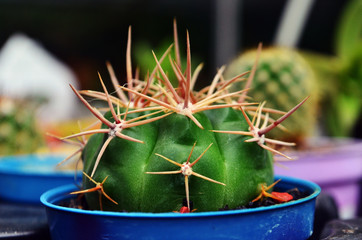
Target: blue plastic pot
{"x": 292, "y": 220}
{"x": 24, "y": 178}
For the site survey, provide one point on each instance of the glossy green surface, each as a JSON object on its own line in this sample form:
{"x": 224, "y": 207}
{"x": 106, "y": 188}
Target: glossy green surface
{"x": 241, "y": 166}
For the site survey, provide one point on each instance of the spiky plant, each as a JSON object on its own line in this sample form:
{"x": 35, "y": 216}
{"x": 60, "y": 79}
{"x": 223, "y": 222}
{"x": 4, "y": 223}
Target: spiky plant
{"x": 160, "y": 144}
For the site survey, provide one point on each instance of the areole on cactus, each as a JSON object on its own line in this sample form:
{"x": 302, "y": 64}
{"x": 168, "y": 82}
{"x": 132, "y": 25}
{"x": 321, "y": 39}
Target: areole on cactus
{"x": 160, "y": 144}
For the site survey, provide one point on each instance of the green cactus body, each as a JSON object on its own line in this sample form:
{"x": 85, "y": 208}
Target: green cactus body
{"x": 241, "y": 166}
{"x": 282, "y": 79}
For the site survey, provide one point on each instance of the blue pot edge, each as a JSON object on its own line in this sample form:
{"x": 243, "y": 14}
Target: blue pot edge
{"x": 6, "y": 161}
{"x": 59, "y": 193}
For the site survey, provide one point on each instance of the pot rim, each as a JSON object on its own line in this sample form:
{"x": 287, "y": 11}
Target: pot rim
{"x": 60, "y": 193}
{"x": 35, "y": 165}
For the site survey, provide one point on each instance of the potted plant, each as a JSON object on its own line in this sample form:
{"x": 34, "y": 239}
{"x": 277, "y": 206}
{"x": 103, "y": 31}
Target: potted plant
{"x": 165, "y": 148}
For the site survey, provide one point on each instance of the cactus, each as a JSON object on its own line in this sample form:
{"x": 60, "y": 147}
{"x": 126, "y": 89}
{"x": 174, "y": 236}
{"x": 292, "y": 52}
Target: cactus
{"x": 19, "y": 133}
{"x": 161, "y": 144}
{"x": 282, "y": 79}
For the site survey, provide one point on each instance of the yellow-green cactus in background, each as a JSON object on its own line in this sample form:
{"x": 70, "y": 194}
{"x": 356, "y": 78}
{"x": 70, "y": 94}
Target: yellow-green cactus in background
{"x": 283, "y": 77}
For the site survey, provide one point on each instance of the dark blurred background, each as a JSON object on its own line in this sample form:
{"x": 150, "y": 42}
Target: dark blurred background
{"x": 85, "y": 34}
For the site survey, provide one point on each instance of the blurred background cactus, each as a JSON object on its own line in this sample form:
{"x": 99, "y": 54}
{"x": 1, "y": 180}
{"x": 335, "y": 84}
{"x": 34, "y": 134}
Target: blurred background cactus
{"x": 19, "y": 129}
{"x": 283, "y": 77}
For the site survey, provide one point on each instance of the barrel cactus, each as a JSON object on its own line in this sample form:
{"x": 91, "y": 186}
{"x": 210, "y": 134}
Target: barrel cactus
{"x": 162, "y": 147}
{"x": 282, "y": 79}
